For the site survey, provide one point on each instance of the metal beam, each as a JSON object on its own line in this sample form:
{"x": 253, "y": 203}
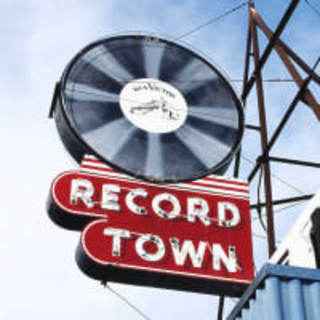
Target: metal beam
{"x": 54, "y": 100}
{"x": 283, "y": 22}
{"x": 283, "y": 201}
{"x": 221, "y": 306}
{"x": 295, "y": 162}
{"x": 272, "y": 80}
{"x": 247, "y": 57}
{"x": 282, "y": 124}
{"x": 251, "y": 127}
{"x": 315, "y": 236}
{"x": 308, "y": 98}
{"x": 298, "y": 60}
{"x": 246, "y": 70}
{"x": 264, "y": 138}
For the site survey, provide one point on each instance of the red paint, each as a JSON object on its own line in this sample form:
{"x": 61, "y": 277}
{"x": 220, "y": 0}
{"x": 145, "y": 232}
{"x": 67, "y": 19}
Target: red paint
{"x": 98, "y": 247}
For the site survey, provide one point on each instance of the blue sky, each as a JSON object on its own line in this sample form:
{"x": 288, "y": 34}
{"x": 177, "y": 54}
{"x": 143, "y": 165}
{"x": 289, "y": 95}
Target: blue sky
{"x": 38, "y": 275}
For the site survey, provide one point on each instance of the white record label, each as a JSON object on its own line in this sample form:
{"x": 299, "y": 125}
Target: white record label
{"x": 153, "y": 105}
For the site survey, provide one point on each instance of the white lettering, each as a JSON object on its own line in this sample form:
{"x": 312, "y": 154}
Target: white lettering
{"x": 109, "y": 197}
{"x": 223, "y": 207}
{"x": 133, "y": 206}
{"x": 198, "y": 208}
{"x": 117, "y": 235}
{"x": 156, "y": 256}
{"x": 180, "y": 254}
{"x": 219, "y": 255}
{"x": 83, "y": 190}
{"x": 176, "y": 208}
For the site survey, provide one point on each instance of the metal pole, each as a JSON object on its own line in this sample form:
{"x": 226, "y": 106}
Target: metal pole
{"x": 244, "y": 82}
{"x": 264, "y": 140}
{"x": 309, "y": 98}
{"x": 251, "y": 127}
{"x": 267, "y": 51}
{"x": 220, "y": 310}
{"x": 283, "y": 201}
{"x": 295, "y": 162}
{"x": 315, "y": 235}
{"x": 247, "y": 56}
{"x": 285, "y": 48}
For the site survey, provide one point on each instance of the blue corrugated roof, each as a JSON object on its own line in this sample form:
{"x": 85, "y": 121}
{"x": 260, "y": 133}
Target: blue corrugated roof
{"x": 281, "y": 293}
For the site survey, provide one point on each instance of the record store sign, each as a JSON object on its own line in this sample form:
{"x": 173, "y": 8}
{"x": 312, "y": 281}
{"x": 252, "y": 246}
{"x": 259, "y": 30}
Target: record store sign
{"x": 191, "y": 236}
{"x": 160, "y": 114}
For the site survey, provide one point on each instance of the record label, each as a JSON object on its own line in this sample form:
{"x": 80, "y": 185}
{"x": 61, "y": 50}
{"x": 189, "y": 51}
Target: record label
{"x": 153, "y": 105}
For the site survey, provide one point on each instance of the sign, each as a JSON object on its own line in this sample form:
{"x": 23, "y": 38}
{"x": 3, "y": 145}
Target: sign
{"x": 175, "y": 118}
{"x": 191, "y": 236}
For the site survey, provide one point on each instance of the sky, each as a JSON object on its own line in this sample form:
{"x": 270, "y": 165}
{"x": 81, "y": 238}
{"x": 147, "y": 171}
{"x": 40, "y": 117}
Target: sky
{"x": 38, "y": 275}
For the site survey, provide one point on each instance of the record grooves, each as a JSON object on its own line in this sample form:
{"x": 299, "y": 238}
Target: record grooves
{"x": 149, "y": 107}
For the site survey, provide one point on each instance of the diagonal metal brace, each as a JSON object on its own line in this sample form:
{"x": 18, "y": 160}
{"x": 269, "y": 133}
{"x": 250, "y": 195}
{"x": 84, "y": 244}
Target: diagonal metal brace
{"x": 285, "y": 55}
{"x": 285, "y": 19}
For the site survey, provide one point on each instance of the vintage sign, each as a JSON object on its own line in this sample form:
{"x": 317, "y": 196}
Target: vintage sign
{"x": 191, "y": 236}
{"x": 175, "y": 118}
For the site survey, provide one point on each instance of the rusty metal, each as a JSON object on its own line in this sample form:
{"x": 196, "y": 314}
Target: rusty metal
{"x": 281, "y": 125}
{"x": 220, "y": 309}
{"x": 264, "y": 57}
{"x": 244, "y": 81}
{"x": 283, "y": 201}
{"x": 294, "y": 56}
{"x": 251, "y": 127}
{"x": 308, "y": 97}
{"x": 263, "y": 137}
{"x": 289, "y": 59}
{"x": 295, "y": 162}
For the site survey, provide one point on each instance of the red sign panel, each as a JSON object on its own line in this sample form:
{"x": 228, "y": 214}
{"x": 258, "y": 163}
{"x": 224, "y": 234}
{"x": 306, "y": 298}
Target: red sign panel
{"x": 193, "y": 236}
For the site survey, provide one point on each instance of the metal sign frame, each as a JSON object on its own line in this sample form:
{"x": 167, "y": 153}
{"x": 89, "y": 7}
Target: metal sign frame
{"x": 133, "y": 210}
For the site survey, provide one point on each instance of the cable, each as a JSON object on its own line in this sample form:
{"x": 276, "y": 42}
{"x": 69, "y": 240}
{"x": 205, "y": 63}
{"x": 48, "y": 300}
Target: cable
{"x": 130, "y": 304}
{"x": 259, "y": 202}
{"x": 313, "y": 7}
{"x": 267, "y": 80}
{"x": 276, "y": 177}
{"x": 212, "y": 20}
{"x": 260, "y": 215}
{"x": 288, "y": 207}
{"x": 259, "y": 236}
{"x": 282, "y": 209}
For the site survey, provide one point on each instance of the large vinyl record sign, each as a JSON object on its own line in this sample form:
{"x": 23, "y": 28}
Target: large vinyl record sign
{"x": 149, "y": 107}
{"x": 192, "y": 236}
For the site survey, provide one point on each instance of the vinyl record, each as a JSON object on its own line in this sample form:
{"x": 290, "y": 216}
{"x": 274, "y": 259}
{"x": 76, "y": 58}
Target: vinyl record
{"x": 149, "y": 107}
